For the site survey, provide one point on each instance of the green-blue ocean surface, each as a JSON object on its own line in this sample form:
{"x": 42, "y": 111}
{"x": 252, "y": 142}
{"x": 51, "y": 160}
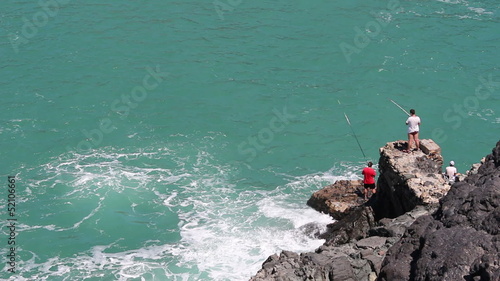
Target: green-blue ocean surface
{"x": 180, "y": 140}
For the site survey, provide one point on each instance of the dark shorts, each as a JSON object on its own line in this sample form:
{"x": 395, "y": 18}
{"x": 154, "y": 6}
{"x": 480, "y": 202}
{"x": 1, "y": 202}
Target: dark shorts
{"x": 370, "y": 185}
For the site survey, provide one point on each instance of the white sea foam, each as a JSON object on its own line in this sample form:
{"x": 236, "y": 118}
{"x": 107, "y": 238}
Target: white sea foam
{"x": 480, "y": 11}
{"x": 229, "y": 233}
{"x": 452, "y": 1}
{"x": 226, "y": 231}
{"x": 467, "y": 12}
{"x": 148, "y": 263}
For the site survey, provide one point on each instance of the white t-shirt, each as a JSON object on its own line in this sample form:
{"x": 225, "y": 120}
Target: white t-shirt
{"x": 450, "y": 172}
{"x": 412, "y": 123}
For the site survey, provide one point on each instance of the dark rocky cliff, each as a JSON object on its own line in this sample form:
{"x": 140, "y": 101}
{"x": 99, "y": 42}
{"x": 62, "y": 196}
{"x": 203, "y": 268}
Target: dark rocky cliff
{"x": 461, "y": 241}
{"x": 410, "y": 230}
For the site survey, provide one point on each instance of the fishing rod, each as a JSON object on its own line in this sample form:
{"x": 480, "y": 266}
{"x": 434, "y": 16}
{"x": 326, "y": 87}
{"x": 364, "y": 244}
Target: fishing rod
{"x": 400, "y": 107}
{"x": 349, "y": 122}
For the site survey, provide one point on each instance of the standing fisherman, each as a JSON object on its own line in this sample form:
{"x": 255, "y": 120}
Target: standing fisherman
{"x": 413, "y": 123}
{"x": 369, "y": 180}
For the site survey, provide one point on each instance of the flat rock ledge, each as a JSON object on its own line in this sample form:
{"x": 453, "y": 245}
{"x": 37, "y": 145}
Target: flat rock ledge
{"x": 338, "y": 199}
{"x": 382, "y": 239}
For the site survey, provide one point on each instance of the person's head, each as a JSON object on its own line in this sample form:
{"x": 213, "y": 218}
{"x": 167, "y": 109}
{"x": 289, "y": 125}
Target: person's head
{"x": 370, "y": 164}
{"x": 412, "y": 111}
{"x": 452, "y": 163}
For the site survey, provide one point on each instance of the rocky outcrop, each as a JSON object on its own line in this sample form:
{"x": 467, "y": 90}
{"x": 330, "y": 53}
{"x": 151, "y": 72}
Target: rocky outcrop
{"x": 357, "y": 243}
{"x": 406, "y": 180}
{"x": 410, "y": 230}
{"x": 354, "y": 250}
{"x": 409, "y": 179}
{"x": 338, "y": 199}
{"x": 461, "y": 241}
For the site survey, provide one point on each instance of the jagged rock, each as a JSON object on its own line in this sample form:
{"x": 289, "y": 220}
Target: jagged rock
{"x": 354, "y": 226}
{"x": 460, "y": 241}
{"x": 409, "y": 179}
{"x": 410, "y": 230}
{"x": 371, "y": 242}
{"x": 475, "y": 167}
{"x": 310, "y": 266}
{"x": 312, "y": 230}
{"x": 406, "y": 180}
{"x": 429, "y": 147}
{"x": 337, "y": 199}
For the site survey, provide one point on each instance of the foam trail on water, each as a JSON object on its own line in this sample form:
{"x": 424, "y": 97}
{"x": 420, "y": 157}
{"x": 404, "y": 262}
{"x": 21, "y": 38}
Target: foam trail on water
{"x": 185, "y": 214}
{"x": 153, "y": 262}
{"x": 228, "y": 233}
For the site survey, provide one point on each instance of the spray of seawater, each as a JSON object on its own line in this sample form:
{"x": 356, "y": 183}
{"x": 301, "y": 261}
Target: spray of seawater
{"x": 161, "y": 214}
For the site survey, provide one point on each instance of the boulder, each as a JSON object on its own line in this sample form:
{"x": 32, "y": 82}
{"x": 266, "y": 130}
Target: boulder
{"x": 338, "y": 199}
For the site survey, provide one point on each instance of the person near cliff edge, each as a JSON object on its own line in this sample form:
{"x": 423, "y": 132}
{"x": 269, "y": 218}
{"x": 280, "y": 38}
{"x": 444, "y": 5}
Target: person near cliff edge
{"x": 369, "y": 180}
{"x": 413, "y": 123}
{"x": 451, "y": 173}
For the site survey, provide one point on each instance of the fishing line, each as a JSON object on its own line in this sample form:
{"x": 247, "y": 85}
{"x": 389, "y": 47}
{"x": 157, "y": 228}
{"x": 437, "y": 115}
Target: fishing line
{"x": 356, "y": 137}
{"x": 349, "y": 122}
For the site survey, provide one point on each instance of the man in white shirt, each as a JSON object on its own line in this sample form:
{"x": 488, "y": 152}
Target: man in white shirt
{"x": 413, "y": 123}
{"x": 451, "y": 172}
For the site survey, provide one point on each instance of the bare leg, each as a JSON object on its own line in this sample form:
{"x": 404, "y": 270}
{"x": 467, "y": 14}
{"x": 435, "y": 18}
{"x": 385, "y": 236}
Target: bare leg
{"x": 410, "y": 140}
{"x": 417, "y": 141}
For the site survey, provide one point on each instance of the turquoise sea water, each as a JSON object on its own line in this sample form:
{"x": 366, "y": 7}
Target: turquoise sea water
{"x": 166, "y": 140}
